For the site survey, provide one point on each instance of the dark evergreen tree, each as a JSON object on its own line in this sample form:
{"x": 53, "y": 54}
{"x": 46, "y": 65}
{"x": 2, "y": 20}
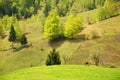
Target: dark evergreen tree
{"x": 53, "y": 58}
{"x": 23, "y": 40}
{"x": 12, "y": 37}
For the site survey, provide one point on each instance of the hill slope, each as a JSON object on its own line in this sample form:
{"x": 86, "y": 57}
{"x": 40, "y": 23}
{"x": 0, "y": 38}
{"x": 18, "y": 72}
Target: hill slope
{"x": 68, "y": 72}
{"x": 75, "y": 50}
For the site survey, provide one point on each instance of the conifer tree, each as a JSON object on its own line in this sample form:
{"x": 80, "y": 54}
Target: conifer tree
{"x": 53, "y": 58}
{"x": 12, "y": 37}
{"x": 23, "y": 40}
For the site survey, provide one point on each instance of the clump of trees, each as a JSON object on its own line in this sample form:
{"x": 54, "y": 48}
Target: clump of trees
{"x": 12, "y": 37}
{"x": 111, "y": 8}
{"x": 52, "y": 28}
{"x": 83, "y": 5}
{"x": 53, "y": 58}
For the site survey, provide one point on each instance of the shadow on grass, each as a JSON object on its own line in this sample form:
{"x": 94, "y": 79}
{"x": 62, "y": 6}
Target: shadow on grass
{"x": 57, "y": 42}
{"x": 18, "y": 49}
{"x": 21, "y": 47}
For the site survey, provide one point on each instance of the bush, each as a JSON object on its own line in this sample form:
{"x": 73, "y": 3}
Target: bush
{"x": 53, "y": 58}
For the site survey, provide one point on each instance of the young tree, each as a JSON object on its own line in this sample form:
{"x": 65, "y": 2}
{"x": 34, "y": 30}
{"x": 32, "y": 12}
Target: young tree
{"x": 73, "y": 26}
{"x": 96, "y": 59}
{"x": 47, "y": 8}
{"x": 23, "y": 40}
{"x": 51, "y": 27}
{"x": 1, "y": 31}
{"x": 101, "y": 13}
{"x": 53, "y": 58}
{"x": 12, "y": 36}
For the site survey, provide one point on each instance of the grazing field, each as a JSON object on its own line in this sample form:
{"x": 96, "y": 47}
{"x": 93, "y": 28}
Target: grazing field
{"x": 64, "y": 72}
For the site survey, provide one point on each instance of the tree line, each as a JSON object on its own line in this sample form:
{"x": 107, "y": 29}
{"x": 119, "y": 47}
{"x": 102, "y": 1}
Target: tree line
{"x": 26, "y": 8}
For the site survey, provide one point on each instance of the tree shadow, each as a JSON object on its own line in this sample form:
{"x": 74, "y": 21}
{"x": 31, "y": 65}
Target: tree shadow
{"x": 77, "y": 39}
{"x": 56, "y": 43}
{"x": 18, "y": 49}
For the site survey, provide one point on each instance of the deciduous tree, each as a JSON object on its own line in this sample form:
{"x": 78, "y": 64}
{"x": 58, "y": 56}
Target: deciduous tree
{"x": 73, "y": 26}
{"x": 51, "y": 27}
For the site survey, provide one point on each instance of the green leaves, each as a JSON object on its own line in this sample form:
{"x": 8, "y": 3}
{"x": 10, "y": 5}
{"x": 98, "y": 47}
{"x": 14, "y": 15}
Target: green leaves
{"x": 73, "y": 26}
{"x": 51, "y": 27}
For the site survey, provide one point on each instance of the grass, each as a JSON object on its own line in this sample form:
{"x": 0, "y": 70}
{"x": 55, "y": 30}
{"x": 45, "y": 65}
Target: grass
{"x": 107, "y": 45}
{"x": 24, "y": 58}
{"x": 64, "y": 72}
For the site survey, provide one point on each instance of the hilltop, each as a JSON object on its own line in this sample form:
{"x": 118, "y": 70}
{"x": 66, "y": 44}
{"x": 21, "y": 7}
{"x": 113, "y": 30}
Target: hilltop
{"x": 66, "y": 72}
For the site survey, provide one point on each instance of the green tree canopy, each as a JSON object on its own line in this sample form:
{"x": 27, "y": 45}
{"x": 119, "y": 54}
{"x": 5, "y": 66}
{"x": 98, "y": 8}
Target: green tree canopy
{"x": 51, "y": 27}
{"x": 73, "y": 26}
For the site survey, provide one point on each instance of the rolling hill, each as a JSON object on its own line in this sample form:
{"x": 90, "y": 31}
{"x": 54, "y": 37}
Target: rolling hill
{"x": 76, "y": 50}
{"x": 66, "y": 72}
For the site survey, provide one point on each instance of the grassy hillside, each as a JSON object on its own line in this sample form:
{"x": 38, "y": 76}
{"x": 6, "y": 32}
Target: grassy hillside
{"x": 107, "y": 46}
{"x": 68, "y": 72}
{"x": 76, "y": 51}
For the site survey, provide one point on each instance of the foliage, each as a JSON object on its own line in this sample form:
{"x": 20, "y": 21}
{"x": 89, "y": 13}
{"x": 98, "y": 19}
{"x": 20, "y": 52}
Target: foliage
{"x": 1, "y": 30}
{"x": 23, "y": 40}
{"x": 110, "y": 9}
{"x": 53, "y": 58}
{"x": 83, "y": 5}
{"x": 73, "y": 26}
{"x": 26, "y": 8}
{"x": 47, "y": 8}
{"x": 19, "y": 8}
{"x": 12, "y": 36}
{"x": 51, "y": 27}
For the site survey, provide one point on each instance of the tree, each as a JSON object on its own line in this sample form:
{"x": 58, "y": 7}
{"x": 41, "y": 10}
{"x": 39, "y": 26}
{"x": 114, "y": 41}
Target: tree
{"x": 101, "y": 13}
{"x": 23, "y": 40}
{"x": 73, "y": 26}
{"x": 1, "y": 30}
{"x": 47, "y": 8}
{"x": 12, "y": 36}
{"x": 53, "y": 58}
{"x": 96, "y": 59}
{"x": 97, "y": 56}
{"x": 51, "y": 27}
